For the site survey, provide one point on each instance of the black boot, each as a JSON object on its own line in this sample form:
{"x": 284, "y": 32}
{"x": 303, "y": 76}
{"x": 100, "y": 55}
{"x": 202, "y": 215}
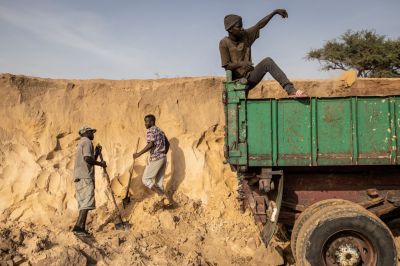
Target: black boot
{"x": 80, "y": 223}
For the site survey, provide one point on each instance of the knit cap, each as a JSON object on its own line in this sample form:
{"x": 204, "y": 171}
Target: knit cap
{"x": 230, "y": 20}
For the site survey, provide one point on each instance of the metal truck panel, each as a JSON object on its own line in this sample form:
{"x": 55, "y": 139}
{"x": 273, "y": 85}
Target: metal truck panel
{"x": 354, "y": 130}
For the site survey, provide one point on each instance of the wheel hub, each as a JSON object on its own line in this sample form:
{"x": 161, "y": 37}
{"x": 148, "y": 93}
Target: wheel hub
{"x": 347, "y": 255}
{"x": 349, "y": 248}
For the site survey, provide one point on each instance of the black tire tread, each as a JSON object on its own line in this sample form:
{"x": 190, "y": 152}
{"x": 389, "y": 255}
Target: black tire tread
{"x": 325, "y": 214}
{"x": 307, "y": 213}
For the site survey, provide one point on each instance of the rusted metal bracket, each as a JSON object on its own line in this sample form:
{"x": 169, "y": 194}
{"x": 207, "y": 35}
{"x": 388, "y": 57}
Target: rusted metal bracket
{"x": 373, "y": 193}
{"x": 266, "y": 184}
{"x": 394, "y": 198}
{"x": 372, "y": 202}
{"x": 261, "y": 205}
{"x": 382, "y": 209}
{"x": 260, "y": 213}
{"x": 264, "y": 205}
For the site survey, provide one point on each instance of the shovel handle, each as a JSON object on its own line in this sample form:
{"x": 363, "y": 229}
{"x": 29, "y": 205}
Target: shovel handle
{"x": 131, "y": 170}
{"x": 105, "y": 174}
{"x": 101, "y": 157}
{"x": 137, "y": 148}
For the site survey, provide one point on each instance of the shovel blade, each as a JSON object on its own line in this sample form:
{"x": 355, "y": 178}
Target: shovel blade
{"x": 123, "y": 226}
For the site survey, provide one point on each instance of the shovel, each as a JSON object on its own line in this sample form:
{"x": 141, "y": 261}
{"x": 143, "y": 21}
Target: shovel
{"x": 127, "y": 199}
{"x": 121, "y": 225}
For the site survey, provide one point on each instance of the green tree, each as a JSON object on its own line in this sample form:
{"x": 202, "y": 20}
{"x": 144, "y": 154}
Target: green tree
{"x": 372, "y": 55}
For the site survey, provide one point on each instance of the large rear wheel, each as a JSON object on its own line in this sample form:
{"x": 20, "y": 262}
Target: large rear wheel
{"x": 345, "y": 235}
{"x": 394, "y": 225}
{"x": 307, "y": 213}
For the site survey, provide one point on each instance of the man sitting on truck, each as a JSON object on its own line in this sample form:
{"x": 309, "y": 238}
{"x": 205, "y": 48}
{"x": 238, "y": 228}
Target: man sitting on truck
{"x": 235, "y": 52}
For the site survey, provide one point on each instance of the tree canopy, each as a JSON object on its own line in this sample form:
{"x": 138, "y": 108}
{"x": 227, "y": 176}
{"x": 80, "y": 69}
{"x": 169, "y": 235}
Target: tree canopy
{"x": 370, "y": 54}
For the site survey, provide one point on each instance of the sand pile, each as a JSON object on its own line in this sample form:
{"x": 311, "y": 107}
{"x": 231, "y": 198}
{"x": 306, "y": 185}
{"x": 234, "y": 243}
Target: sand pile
{"x": 38, "y": 134}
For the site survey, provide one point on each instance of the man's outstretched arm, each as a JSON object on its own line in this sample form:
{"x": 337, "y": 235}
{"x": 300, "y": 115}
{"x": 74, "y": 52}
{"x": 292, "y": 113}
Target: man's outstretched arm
{"x": 145, "y": 149}
{"x": 263, "y": 22}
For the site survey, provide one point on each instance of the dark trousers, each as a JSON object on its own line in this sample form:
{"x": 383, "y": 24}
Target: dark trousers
{"x": 267, "y": 65}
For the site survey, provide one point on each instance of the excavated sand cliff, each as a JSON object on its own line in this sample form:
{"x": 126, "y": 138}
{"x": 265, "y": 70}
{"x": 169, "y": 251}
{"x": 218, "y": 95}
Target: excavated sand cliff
{"x": 39, "y": 120}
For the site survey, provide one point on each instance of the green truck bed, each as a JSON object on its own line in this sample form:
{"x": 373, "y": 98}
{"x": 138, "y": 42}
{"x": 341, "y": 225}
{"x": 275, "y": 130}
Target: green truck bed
{"x": 311, "y": 131}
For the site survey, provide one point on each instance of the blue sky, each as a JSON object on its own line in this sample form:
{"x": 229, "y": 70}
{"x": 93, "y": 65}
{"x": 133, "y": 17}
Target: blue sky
{"x": 170, "y": 38}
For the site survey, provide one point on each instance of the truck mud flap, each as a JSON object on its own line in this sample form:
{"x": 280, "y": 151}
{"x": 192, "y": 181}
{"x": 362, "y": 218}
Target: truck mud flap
{"x": 274, "y": 207}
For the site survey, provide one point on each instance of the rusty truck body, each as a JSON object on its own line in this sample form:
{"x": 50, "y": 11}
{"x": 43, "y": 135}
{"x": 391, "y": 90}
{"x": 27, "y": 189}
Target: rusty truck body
{"x": 328, "y": 168}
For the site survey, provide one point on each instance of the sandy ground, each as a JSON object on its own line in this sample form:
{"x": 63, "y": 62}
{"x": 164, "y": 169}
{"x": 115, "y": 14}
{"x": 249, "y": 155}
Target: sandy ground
{"x": 187, "y": 235}
{"x": 38, "y": 134}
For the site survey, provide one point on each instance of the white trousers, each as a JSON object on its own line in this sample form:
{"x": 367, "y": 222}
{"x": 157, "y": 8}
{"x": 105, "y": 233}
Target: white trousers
{"x": 154, "y": 173}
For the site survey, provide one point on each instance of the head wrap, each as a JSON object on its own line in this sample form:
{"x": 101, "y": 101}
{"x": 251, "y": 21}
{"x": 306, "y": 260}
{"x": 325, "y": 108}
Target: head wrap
{"x": 231, "y": 20}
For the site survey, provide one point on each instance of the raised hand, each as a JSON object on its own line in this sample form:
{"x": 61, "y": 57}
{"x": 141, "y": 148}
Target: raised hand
{"x": 282, "y": 12}
{"x": 98, "y": 149}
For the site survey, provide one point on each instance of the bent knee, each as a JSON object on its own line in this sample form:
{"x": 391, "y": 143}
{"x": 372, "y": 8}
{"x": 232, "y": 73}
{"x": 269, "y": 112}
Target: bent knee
{"x": 268, "y": 61}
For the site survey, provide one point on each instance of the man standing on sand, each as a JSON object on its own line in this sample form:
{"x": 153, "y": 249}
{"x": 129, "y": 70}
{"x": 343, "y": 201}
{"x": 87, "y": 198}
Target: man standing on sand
{"x": 235, "y": 52}
{"x": 158, "y": 145}
{"x": 86, "y": 159}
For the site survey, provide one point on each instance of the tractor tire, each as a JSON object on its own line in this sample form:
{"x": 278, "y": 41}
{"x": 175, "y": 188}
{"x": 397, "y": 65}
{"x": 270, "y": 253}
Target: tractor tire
{"x": 345, "y": 235}
{"x": 309, "y": 212}
{"x": 394, "y": 225}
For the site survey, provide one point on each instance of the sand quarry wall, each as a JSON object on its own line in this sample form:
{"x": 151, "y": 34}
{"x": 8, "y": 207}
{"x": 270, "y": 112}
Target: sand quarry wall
{"x": 39, "y": 120}
{"x": 38, "y": 132}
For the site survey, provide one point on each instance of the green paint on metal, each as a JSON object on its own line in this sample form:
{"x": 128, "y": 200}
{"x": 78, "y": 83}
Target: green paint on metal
{"x": 374, "y": 134}
{"x": 259, "y": 131}
{"x": 242, "y": 144}
{"x": 235, "y": 112}
{"x": 294, "y": 138}
{"x": 274, "y": 138}
{"x": 392, "y": 115}
{"x": 309, "y": 132}
{"x": 242, "y": 122}
{"x": 334, "y": 130}
{"x": 314, "y": 132}
{"x": 397, "y": 126}
{"x": 354, "y": 128}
